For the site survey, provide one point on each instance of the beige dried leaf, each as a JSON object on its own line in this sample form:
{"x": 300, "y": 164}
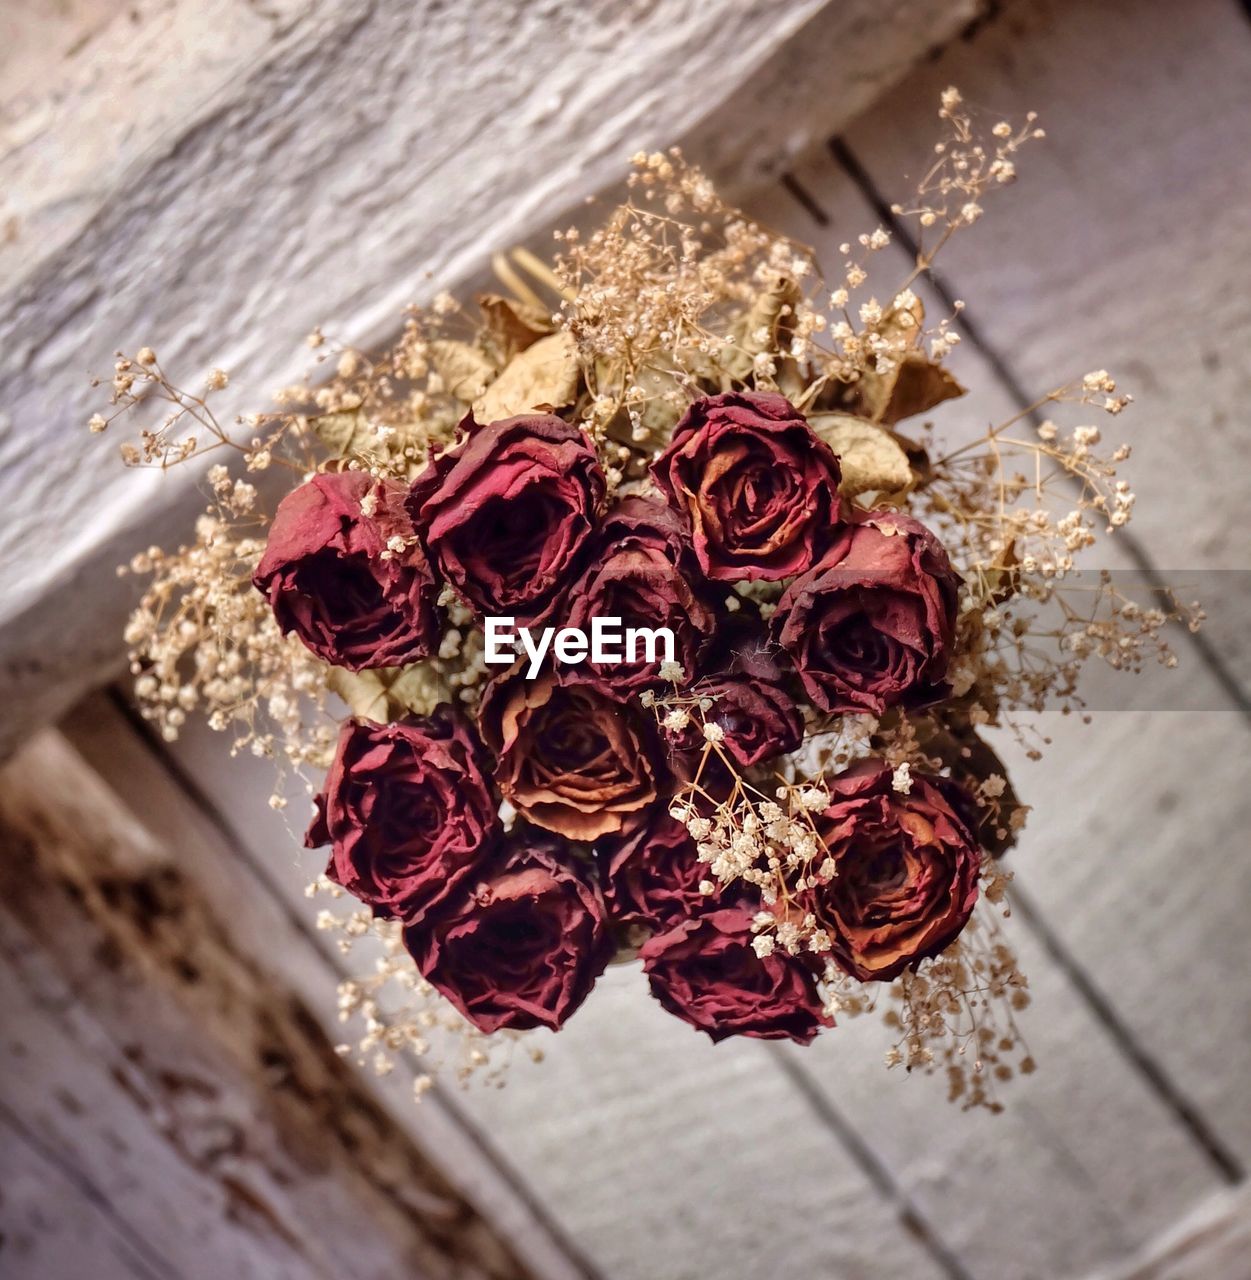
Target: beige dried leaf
{"x": 915, "y": 385}
{"x": 757, "y": 329}
{"x": 346, "y": 434}
{"x": 543, "y": 376}
{"x": 513, "y": 325}
{"x": 465, "y": 370}
{"x": 872, "y": 460}
{"x": 386, "y": 693}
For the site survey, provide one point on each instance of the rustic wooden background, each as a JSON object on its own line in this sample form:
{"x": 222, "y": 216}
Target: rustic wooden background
{"x": 214, "y": 177}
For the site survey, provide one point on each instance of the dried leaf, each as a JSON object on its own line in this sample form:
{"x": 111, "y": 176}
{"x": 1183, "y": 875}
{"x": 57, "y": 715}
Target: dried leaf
{"x": 386, "y": 693}
{"x": 757, "y": 329}
{"x": 1003, "y": 575}
{"x": 915, "y": 385}
{"x": 465, "y": 370}
{"x": 543, "y": 376}
{"x": 872, "y": 460}
{"x": 511, "y": 324}
{"x": 347, "y": 434}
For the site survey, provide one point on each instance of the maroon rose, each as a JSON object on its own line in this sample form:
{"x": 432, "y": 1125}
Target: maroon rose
{"x": 505, "y": 514}
{"x": 325, "y": 577}
{"x": 522, "y": 945}
{"x": 651, "y": 876}
{"x": 638, "y": 573}
{"x": 749, "y": 702}
{"x": 757, "y": 489}
{"x": 569, "y": 757}
{"x": 758, "y": 718}
{"x": 872, "y": 625}
{"x": 906, "y": 870}
{"x": 705, "y": 972}
{"x": 408, "y": 811}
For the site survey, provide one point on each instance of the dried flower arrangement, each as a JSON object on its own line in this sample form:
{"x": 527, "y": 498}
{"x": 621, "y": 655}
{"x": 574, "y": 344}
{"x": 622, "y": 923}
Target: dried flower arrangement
{"x": 678, "y": 424}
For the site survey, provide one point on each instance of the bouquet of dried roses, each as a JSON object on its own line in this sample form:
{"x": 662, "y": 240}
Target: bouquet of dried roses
{"x": 789, "y": 812}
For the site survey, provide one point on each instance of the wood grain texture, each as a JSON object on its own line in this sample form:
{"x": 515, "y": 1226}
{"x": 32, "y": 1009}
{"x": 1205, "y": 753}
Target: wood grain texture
{"x": 181, "y": 1091}
{"x": 1211, "y": 1243}
{"x": 217, "y": 179}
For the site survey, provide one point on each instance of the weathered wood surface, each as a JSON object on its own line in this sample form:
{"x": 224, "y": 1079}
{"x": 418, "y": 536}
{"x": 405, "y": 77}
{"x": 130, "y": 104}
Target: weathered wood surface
{"x": 167, "y": 1088}
{"x": 1211, "y": 1243}
{"x": 1132, "y": 866}
{"x": 215, "y": 179}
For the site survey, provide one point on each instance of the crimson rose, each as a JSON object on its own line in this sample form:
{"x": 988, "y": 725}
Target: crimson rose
{"x": 907, "y": 869}
{"x": 569, "y": 757}
{"x": 638, "y": 574}
{"x": 505, "y": 514}
{"x": 651, "y": 875}
{"x": 752, "y": 707}
{"x": 522, "y": 945}
{"x": 872, "y": 624}
{"x": 325, "y": 579}
{"x": 705, "y": 972}
{"x": 757, "y": 489}
{"x": 750, "y": 704}
{"x": 408, "y": 811}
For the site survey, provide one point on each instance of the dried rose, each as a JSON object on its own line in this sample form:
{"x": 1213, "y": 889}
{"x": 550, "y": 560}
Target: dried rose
{"x": 651, "y": 876}
{"x": 569, "y": 757}
{"x": 758, "y": 718}
{"x": 706, "y": 972}
{"x": 505, "y": 515}
{"x": 872, "y": 625}
{"x": 408, "y": 810}
{"x": 638, "y": 572}
{"x": 753, "y": 716}
{"x": 522, "y": 945}
{"x": 906, "y": 870}
{"x": 326, "y": 578}
{"x": 757, "y": 489}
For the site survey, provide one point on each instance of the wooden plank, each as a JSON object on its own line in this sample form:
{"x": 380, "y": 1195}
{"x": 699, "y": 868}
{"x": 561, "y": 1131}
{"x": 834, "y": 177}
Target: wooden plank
{"x": 1212, "y": 1243}
{"x": 658, "y": 1152}
{"x": 181, "y": 1090}
{"x": 53, "y": 1228}
{"x": 215, "y": 179}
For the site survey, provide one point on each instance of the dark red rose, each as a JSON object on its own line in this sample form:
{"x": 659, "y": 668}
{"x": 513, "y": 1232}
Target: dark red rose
{"x": 638, "y": 572}
{"x": 505, "y": 515}
{"x": 757, "y": 489}
{"x": 907, "y": 870}
{"x": 325, "y": 579}
{"x": 750, "y": 704}
{"x": 651, "y": 876}
{"x": 522, "y": 945}
{"x": 408, "y": 810}
{"x": 569, "y": 757}
{"x": 705, "y": 972}
{"x": 872, "y": 625}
